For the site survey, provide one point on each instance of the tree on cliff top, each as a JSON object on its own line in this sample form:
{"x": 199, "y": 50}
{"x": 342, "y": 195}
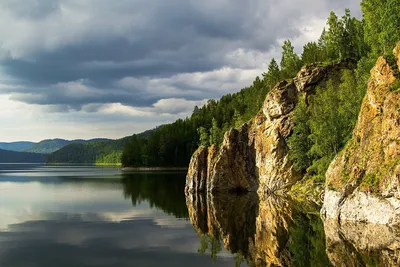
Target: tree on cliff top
{"x": 290, "y": 62}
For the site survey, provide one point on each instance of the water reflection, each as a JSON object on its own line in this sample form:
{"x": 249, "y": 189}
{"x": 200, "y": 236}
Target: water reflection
{"x": 72, "y": 219}
{"x": 164, "y": 191}
{"x": 270, "y": 231}
{"x": 362, "y": 244}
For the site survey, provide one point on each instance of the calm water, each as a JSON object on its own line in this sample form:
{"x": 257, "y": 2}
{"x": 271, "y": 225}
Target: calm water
{"x": 93, "y": 216}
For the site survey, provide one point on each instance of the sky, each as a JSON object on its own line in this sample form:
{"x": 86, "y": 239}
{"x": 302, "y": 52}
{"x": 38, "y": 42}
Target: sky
{"x": 105, "y": 68}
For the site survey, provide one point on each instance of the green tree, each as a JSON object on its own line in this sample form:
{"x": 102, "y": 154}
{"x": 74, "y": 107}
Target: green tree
{"x": 373, "y": 11}
{"x": 311, "y": 53}
{"x": 390, "y": 21}
{"x": 273, "y": 76}
{"x": 350, "y": 101}
{"x": 334, "y": 44}
{"x": 215, "y": 133}
{"x": 326, "y": 128}
{"x": 299, "y": 142}
{"x": 290, "y": 62}
{"x": 204, "y": 138}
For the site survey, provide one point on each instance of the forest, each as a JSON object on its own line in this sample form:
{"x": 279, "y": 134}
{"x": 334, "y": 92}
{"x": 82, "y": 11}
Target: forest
{"x": 323, "y": 124}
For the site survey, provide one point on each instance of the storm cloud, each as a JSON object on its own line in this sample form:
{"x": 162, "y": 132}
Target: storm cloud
{"x": 78, "y": 56}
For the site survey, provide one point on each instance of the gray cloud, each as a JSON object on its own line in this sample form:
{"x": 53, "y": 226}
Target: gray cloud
{"x": 74, "y": 53}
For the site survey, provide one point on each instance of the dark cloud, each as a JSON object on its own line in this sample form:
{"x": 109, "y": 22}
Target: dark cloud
{"x": 64, "y": 42}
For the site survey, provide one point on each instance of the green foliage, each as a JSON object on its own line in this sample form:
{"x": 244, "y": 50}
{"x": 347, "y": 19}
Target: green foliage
{"x": 216, "y": 134}
{"x": 395, "y": 86}
{"x": 344, "y": 38}
{"x": 350, "y": 97}
{"x": 299, "y": 142}
{"x": 312, "y": 53}
{"x": 307, "y": 241}
{"x": 204, "y": 139}
{"x": 95, "y": 152}
{"x": 290, "y": 62}
{"x": 273, "y": 76}
{"x": 325, "y": 122}
{"x": 213, "y": 244}
{"x": 382, "y": 25}
{"x": 391, "y": 24}
{"x": 370, "y": 182}
{"x": 324, "y": 126}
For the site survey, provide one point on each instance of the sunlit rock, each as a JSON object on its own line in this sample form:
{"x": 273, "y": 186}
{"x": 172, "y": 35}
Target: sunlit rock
{"x": 363, "y": 181}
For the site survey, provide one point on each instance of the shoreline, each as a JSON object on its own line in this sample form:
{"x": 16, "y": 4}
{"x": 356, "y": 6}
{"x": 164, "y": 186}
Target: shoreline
{"x": 125, "y": 169}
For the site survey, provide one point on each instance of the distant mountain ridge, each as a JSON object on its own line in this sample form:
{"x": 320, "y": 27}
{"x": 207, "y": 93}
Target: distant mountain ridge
{"x": 51, "y": 145}
{"x": 16, "y": 146}
{"x": 94, "y": 152}
{"x": 7, "y": 156}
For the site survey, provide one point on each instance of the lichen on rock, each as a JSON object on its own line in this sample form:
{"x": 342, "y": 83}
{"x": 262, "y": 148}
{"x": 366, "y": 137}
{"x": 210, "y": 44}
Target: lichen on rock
{"x": 255, "y": 157}
{"x": 363, "y": 181}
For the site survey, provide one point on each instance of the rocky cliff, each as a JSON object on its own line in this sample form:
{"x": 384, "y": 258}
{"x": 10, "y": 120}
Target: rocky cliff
{"x": 363, "y": 181}
{"x": 255, "y": 156}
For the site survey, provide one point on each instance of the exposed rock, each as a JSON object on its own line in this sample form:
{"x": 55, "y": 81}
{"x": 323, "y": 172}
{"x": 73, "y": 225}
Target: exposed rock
{"x": 197, "y": 172}
{"x": 255, "y": 156}
{"x": 234, "y": 167}
{"x": 363, "y": 181}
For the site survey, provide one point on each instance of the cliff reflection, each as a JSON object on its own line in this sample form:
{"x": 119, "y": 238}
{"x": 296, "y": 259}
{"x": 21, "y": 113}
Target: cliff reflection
{"x": 362, "y": 244}
{"x": 268, "y": 231}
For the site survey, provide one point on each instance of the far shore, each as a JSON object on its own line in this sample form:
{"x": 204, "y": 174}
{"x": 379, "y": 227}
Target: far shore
{"x": 130, "y": 169}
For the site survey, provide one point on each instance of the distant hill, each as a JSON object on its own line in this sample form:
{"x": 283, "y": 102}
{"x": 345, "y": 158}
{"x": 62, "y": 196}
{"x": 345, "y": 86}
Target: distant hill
{"x": 15, "y": 146}
{"x": 94, "y": 151}
{"x": 51, "y": 145}
{"x": 7, "y": 156}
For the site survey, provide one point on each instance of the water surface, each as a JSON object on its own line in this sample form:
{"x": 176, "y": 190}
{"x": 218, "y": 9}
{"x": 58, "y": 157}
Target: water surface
{"x": 99, "y": 216}
{"x": 94, "y": 216}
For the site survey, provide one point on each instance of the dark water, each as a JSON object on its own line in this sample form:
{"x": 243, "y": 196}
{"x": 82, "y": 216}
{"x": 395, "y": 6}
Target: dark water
{"x": 94, "y": 216}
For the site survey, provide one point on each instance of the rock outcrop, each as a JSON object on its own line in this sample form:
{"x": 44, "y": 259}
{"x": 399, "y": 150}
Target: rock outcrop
{"x": 363, "y": 181}
{"x": 255, "y": 156}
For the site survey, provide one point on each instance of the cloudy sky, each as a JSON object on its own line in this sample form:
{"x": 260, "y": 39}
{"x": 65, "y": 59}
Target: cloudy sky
{"x": 111, "y": 68}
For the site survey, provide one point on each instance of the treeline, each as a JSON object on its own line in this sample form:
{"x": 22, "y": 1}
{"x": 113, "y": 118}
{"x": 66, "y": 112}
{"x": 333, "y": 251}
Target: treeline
{"x": 173, "y": 144}
{"x": 95, "y": 152}
{"x": 8, "y": 156}
{"x": 323, "y": 125}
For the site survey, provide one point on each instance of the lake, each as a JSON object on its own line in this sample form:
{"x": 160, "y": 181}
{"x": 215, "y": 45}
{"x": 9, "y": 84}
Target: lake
{"x": 99, "y": 216}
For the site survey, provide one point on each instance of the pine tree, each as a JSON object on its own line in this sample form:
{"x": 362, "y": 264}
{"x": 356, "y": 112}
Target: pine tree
{"x": 204, "y": 138}
{"x": 273, "y": 75}
{"x": 290, "y": 62}
{"x": 215, "y": 133}
{"x": 311, "y": 53}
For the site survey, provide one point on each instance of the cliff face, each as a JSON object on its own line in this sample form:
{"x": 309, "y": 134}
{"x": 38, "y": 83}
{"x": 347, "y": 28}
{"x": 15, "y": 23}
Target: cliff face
{"x": 255, "y": 157}
{"x": 363, "y": 182}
